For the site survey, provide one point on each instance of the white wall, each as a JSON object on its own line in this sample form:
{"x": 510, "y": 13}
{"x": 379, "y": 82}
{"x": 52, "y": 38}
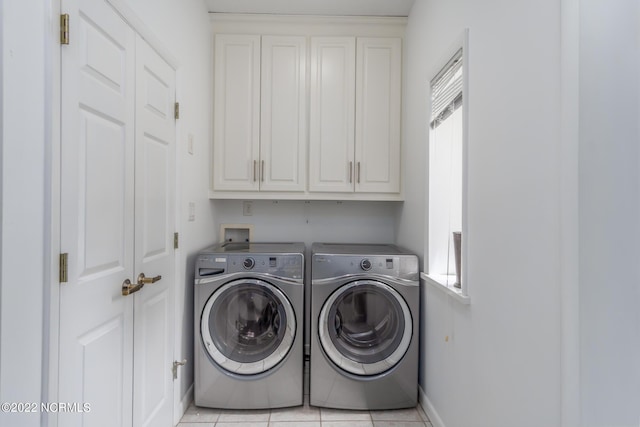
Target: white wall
{"x": 23, "y": 276}
{"x": 308, "y": 222}
{"x": 609, "y": 212}
{"x": 501, "y": 363}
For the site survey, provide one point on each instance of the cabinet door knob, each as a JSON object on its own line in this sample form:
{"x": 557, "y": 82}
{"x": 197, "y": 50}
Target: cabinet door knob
{"x": 350, "y": 172}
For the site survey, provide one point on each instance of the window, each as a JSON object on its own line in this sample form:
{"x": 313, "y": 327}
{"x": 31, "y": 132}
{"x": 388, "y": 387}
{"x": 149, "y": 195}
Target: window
{"x": 447, "y": 134}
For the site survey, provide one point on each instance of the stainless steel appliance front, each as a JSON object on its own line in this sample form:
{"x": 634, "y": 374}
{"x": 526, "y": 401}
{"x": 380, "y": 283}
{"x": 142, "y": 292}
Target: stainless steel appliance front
{"x": 364, "y": 321}
{"x": 249, "y": 324}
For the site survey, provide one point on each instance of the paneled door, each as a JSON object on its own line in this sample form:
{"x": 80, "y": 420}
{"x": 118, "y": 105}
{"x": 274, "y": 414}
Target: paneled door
{"x": 378, "y": 88}
{"x": 236, "y": 112}
{"x": 97, "y": 214}
{"x": 259, "y": 113}
{"x": 283, "y": 114}
{"x": 154, "y": 251}
{"x": 117, "y": 204}
{"x": 332, "y": 106}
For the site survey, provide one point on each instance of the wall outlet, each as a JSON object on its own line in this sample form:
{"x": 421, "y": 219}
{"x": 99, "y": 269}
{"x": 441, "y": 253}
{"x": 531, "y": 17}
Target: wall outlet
{"x": 192, "y": 211}
{"x": 247, "y": 208}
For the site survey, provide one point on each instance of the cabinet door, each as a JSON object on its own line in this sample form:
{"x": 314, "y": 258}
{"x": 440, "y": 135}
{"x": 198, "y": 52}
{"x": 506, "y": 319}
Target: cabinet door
{"x": 378, "y": 86}
{"x": 331, "y": 159}
{"x": 283, "y": 114}
{"x": 236, "y": 132}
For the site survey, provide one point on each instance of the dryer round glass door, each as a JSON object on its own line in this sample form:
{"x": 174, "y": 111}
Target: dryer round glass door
{"x": 365, "y": 327}
{"x": 248, "y": 326}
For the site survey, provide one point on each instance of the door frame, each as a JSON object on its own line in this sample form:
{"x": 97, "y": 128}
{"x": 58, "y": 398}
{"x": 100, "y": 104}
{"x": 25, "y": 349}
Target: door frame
{"x": 53, "y": 116}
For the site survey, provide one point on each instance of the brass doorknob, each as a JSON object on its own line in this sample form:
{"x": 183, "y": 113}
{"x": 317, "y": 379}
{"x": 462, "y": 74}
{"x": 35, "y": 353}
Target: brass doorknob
{"x": 129, "y": 288}
{"x": 143, "y": 280}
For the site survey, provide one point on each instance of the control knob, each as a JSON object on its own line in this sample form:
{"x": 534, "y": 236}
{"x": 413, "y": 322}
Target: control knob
{"x": 365, "y": 264}
{"x": 248, "y": 263}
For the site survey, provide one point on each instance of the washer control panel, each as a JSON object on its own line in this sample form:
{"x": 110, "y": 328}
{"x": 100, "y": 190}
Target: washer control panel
{"x": 280, "y": 265}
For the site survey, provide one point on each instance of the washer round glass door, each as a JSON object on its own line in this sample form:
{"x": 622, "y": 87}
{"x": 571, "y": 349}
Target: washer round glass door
{"x": 248, "y": 326}
{"x": 365, "y": 327}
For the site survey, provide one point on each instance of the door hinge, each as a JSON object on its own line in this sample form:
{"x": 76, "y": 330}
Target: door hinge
{"x": 176, "y": 239}
{"x": 64, "y": 267}
{"x": 176, "y": 111}
{"x": 64, "y": 28}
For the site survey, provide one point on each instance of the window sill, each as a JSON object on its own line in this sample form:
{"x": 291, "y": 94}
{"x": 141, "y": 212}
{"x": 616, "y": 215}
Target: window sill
{"x": 440, "y": 282}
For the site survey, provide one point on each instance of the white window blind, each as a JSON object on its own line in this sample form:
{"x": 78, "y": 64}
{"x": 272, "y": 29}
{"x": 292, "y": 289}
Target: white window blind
{"x": 446, "y": 90}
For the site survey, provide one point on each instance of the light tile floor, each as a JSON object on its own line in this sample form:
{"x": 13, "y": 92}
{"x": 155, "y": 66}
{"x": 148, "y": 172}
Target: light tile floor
{"x": 303, "y": 416}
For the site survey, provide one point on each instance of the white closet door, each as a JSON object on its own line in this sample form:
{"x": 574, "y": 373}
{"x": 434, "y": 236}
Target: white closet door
{"x": 332, "y": 110}
{"x": 236, "y": 123}
{"x": 154, "y": 227}
{"x": 283, "y": 114}
{"x": 378, "y": 87}
{"x": 97, "y": 212}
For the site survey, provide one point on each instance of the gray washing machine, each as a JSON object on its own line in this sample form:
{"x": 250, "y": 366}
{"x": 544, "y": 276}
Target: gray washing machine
{"x": 248, "y": 309}
{"x": 365, "y": 302}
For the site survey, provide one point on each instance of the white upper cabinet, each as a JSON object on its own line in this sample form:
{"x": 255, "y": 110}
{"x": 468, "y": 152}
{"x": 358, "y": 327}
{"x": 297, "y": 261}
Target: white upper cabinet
{"x": 307, "y": 108}
{"x": 331, "y": 116}
{"x": 377, "y": 139}
{"x": 283, "y": 131}
{"x": 236, "y": 123}
{"x": 259, "y": 113}
{"x": 355, "y": 114}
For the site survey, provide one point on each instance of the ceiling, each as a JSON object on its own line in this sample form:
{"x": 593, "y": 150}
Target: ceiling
{"x": 314, "y": 7}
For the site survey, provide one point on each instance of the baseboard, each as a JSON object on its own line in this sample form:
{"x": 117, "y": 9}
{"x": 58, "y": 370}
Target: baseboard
{"x": 428, "y": 408}
{"x": 182, "y": 406}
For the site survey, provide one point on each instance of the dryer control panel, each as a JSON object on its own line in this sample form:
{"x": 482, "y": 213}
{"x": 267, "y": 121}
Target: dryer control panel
{"x": 326, "y": 266}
